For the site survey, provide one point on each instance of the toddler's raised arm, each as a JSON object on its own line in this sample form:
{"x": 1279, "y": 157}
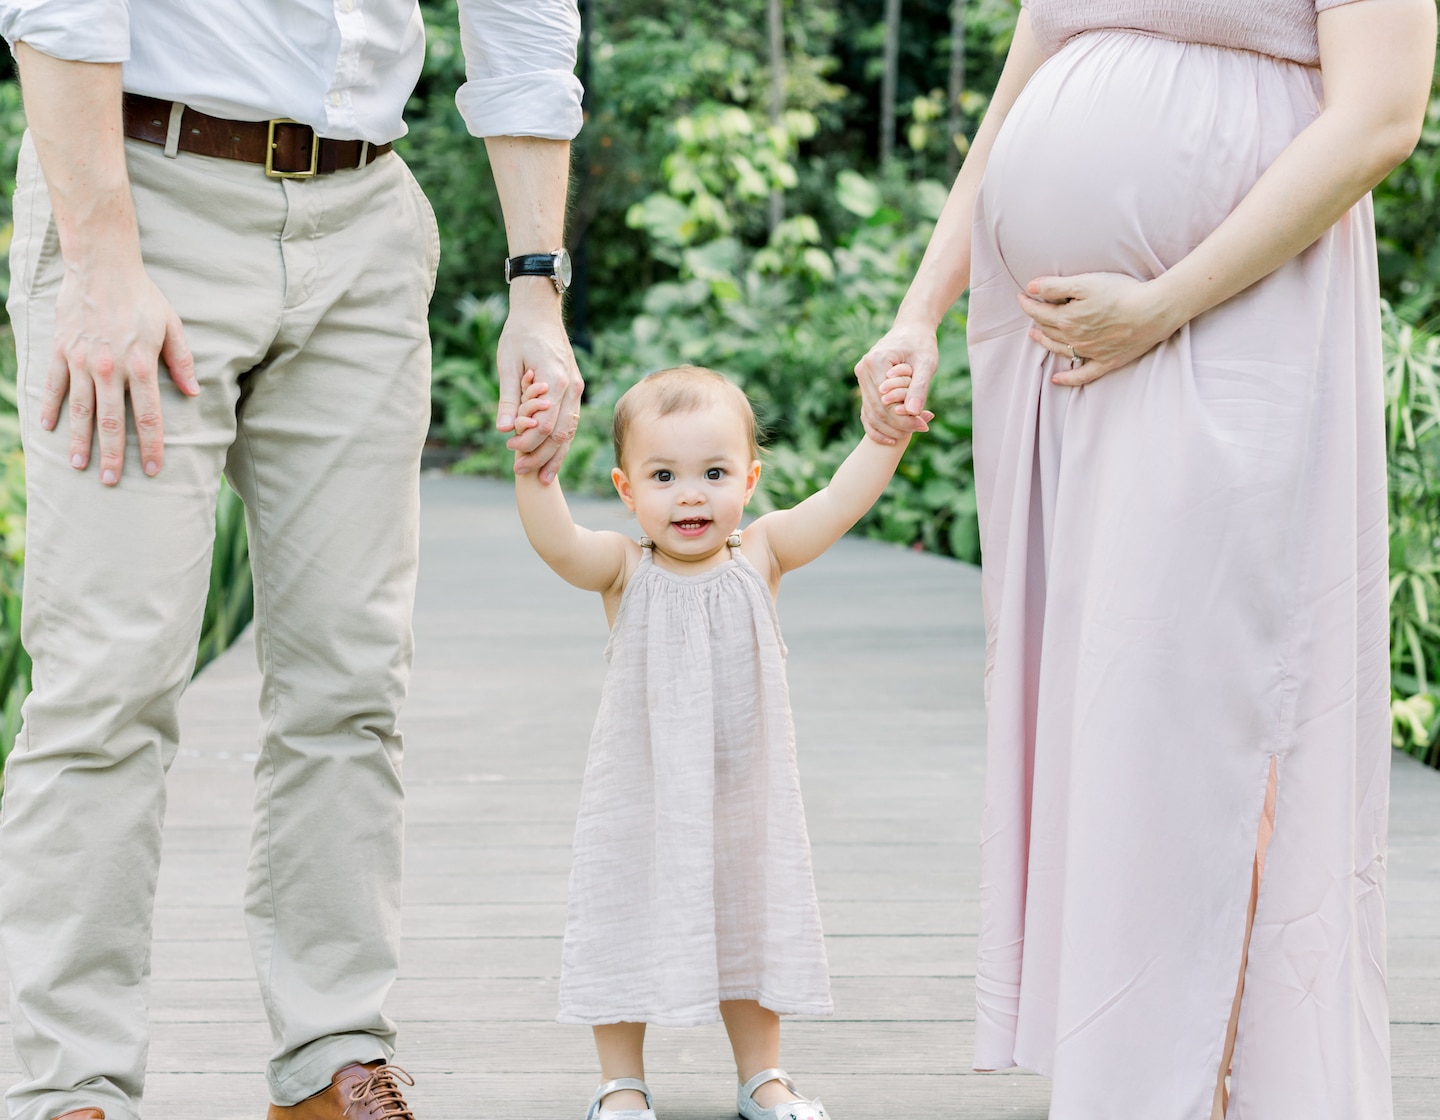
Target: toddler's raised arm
{"x": 590, "y": 560}
{"x": 799, "y": 535}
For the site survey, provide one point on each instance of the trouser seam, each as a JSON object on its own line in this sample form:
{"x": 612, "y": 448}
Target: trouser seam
{"x": 262, "y": 636}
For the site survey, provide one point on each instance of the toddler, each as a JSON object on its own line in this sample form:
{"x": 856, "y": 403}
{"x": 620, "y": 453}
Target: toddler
{"x": 691, "y": 895}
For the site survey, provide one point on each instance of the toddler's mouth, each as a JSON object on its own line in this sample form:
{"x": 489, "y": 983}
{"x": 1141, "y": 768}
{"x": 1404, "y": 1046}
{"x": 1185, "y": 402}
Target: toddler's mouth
{"x": 691, "y": 526}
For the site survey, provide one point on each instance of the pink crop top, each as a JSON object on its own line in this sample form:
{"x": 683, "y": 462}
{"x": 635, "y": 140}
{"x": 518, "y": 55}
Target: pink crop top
{"x": 1283, "y": 28}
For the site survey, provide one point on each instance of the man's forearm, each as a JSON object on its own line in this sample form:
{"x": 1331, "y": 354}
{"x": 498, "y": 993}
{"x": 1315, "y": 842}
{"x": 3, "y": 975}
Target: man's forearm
{"x": 533, "y": 178}
{"x": 74, "y": 113}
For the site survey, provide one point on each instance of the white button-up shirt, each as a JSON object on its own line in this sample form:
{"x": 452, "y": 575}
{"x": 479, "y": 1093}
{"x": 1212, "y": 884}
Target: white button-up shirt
{"x": 345, "y": 67}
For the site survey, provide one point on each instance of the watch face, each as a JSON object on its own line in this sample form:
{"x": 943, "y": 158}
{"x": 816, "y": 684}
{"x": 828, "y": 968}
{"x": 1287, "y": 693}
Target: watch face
{"x": 562, "y": 266}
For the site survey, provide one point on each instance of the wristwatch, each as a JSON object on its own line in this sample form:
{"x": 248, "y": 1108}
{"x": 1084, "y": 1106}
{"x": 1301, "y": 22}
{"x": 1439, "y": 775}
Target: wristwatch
{"x": 555, "y": 265}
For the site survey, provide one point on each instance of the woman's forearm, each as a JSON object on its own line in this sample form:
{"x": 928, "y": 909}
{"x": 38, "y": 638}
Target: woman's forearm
{"x": 944, "y": 271}
{"x": 1377, "y": 59}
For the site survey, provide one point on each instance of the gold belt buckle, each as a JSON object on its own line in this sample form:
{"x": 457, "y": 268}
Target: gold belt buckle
{"x": 270, "y": 151}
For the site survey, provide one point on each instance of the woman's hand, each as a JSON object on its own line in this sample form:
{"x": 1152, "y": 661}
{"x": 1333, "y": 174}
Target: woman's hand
{"x": 912, "y": 346}
{"x": 1099, "y": 320}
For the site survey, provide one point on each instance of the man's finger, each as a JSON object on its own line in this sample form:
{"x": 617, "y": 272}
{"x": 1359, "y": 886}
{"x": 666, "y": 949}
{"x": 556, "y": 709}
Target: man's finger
{"x": 175, "y": 353}
{"x": 52, "y": 396}
{"x": 109, "y": 418}
{"x": 149, "y": 426}
{"x": 509, "y": 397}
{"x": 567, "y": 422}
{"x": 82, "y": 418}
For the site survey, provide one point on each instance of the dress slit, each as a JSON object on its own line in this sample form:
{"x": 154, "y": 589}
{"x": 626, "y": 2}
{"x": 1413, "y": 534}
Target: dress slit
{"x": 1263, "y": 835}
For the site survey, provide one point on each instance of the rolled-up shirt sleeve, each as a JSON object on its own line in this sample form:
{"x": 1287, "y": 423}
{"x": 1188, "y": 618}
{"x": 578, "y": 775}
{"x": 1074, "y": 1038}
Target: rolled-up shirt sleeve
{"x": 520, "y": 66}
{"x": 75, "y": 30}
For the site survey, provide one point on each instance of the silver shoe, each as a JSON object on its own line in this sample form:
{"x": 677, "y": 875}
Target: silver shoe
{"x": 801, "y": 1109}
{"x": 598, "y": 1113}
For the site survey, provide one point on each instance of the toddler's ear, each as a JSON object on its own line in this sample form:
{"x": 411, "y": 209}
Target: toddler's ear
{"x": 752, "y": 479}
{"x": 622, "y": 487}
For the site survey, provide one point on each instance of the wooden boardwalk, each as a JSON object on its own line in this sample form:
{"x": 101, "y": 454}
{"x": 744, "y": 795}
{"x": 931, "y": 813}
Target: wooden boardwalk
{"x": 886, "y": 654}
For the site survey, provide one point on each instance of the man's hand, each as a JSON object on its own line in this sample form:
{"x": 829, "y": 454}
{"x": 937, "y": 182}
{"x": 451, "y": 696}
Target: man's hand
{"x": 534, "y": 341}
{"x": 913, "y": 347}
{"x": 531, "y": 175}
{"x": 111, "y": 323}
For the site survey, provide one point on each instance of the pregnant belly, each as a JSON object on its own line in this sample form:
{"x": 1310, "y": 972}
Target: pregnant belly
{"x": 1125, "y": 151}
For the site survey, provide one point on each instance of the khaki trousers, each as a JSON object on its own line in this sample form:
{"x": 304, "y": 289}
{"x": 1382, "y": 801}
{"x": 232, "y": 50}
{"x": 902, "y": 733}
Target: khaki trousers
{"x": 305, "y": 305}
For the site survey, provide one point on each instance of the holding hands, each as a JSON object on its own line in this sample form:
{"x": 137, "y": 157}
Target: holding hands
{"x": 534, "y": 340}
{"x": 907, "y": 355}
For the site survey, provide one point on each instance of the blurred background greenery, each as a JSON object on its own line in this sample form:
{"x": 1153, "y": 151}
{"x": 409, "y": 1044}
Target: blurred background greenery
{"x": 753, "y": 188}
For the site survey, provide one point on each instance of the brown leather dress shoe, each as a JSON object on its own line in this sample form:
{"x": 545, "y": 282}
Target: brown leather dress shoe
{"x": 82, "y": 1114}
{"x": 357, "y": 1092}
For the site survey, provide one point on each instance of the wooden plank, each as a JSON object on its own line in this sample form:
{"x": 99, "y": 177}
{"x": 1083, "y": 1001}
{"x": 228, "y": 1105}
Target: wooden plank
{"x": 892, "y": 766}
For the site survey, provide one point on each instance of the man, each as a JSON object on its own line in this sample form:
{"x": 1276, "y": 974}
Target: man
{"x": 280, "y": 272}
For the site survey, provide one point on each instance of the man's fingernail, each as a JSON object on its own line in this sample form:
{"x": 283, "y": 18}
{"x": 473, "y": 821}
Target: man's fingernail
{"x": 152, "y": 468}
{"x": 77, "y": 461}
{"x": 46, "y": 423}
{"x": 107, "y": 477}
{"x": 504, "y": 421}
{"x": 193, "y": 385}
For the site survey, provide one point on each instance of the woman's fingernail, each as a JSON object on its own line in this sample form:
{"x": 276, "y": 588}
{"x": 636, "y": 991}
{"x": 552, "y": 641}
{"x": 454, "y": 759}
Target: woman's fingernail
{"x": 46, "y": 423}
{"x": 107, "y": 477}
{"x": 152, "y": 468}
{"x": 77, "y": 461}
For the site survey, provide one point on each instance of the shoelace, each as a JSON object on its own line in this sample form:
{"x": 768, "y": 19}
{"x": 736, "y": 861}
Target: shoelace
{"x": 381, "y": 1092}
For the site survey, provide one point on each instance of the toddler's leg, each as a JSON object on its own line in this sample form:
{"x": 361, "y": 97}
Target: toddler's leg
{"x": 621, "y": 1047}
{"x": 755, "y": 1038}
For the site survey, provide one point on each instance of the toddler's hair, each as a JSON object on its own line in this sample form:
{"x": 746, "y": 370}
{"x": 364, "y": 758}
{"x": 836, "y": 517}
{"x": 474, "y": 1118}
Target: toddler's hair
{"x": 681, "y": 389}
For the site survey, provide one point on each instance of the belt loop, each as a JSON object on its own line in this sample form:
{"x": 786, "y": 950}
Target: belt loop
{"x": 364, "y": 153}
{"x": 172, "y": 134}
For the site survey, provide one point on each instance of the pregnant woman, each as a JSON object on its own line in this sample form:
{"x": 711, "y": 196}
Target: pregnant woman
{"x": 1179, "y": 457}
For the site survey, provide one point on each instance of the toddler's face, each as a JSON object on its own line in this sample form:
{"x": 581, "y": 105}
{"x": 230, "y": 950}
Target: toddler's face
{"x": 687, "y": 477}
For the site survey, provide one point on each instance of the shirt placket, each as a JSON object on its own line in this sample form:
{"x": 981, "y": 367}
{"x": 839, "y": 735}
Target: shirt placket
{"x": 339, "y": 105}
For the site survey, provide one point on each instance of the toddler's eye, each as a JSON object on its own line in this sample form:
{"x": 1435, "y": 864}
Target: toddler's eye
{"x": 715, "y": 474}
{"x": 663, "y": 476}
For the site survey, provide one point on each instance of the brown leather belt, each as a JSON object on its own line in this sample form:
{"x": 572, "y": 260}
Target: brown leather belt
{"x": 286, "y": 148}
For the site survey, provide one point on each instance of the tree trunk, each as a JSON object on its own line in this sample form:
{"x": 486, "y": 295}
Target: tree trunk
{"x": 777, "y": 95}
{"x": 957, "y": 84}
{"x": 888, "y": 80}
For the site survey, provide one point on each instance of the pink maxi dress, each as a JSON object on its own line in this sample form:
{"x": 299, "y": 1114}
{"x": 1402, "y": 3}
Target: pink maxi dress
{"x": 1184, "y": 577}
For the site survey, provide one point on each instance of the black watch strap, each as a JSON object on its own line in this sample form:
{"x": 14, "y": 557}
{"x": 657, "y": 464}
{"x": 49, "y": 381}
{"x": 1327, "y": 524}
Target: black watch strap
{"x": 530, "y": 264}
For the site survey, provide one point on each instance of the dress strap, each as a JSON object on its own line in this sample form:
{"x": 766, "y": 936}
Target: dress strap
{"x": 733, "y": 540}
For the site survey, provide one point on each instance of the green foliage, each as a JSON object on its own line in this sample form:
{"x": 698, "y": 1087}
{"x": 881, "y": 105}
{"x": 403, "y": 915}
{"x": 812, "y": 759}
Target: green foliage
{"x": 1412, "y": 398}
{"x": 672, "y": 177}
{"x": 230, "y": 603}
{"x": 1407, "y": 221}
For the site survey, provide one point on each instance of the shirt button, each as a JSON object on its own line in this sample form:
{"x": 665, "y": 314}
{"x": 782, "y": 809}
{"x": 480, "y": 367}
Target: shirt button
{"x": 347, "y": 5}
{"x": 334, "y": 99}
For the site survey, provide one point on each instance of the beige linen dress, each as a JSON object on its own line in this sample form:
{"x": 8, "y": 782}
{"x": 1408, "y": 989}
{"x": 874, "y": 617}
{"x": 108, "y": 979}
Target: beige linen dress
{"x": 1184, "y": 577}
{"x": 692, "y": 882}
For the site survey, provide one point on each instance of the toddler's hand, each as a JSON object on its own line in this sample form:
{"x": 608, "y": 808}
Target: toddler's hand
{"x": 894, "y": 389}
{"x": 532, "y": 402}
